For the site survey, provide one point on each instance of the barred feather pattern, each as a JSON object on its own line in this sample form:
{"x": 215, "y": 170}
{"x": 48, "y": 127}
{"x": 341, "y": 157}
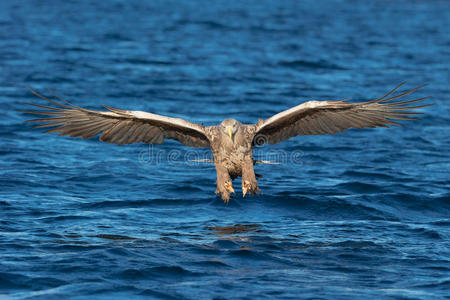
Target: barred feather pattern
{"x": 329, "y": 117}
{"x": 115, "y": 125}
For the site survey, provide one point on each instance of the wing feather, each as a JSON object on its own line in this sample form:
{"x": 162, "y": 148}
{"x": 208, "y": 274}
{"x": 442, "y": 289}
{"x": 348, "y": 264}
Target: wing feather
{"x": 116, "y": 125}
{"x": 313, "y": 124}
{"x": 131, "y": 134}
{"x": 329, "y": 117}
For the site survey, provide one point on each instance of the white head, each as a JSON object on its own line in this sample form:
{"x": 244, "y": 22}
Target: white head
{"x": 230, "y": 127}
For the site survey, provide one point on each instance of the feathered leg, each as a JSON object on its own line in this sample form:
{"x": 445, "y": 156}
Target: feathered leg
{"x": 249, "y": 182}
{"x": 224, "y": 185}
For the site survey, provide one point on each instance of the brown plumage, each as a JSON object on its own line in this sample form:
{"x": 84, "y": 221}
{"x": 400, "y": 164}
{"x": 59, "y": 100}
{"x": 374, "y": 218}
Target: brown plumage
{"x": 231, "y": 141}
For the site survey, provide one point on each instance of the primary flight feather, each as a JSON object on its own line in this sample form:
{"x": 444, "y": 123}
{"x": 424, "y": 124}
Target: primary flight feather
{"x": 231, "y": 141}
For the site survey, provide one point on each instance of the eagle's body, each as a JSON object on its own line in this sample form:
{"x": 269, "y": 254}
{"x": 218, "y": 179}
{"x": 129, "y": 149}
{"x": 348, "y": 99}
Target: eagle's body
{"x": 233, "y": 155}
{"x": 231, "y": 142}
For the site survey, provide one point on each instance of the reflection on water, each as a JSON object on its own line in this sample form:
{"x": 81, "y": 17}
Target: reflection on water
{"x": 112, "y": 237}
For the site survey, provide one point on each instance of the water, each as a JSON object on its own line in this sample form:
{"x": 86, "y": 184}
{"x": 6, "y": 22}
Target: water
{"x": 364, "y": 213}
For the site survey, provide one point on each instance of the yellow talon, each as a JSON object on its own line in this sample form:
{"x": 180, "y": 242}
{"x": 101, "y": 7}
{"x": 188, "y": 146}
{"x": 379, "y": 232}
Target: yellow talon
{"x": 245, "y": 186}
{"x": 229, "y": 186}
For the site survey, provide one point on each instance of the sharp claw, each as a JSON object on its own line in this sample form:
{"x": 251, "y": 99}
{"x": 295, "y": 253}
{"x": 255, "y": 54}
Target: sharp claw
{"x": 229, "y": 186}
{"x": 245, "y": 186}
{"x": 226, "y": 198}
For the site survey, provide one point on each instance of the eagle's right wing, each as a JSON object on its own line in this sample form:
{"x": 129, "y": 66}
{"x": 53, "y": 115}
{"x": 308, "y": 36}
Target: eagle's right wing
{"x": 118, "y": 126}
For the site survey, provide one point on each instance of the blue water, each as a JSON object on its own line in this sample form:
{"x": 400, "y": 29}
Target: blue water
{"x": 364, "y": 213}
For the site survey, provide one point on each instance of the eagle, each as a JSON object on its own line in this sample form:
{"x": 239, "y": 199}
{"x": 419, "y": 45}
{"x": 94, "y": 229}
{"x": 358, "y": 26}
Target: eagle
{"x": 231, "y": 141}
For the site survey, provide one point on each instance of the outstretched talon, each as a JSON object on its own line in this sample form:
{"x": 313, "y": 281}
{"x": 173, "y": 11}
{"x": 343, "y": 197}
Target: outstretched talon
{"x": 229, "y": 187}
{"x": 226, "y": 198}
{"x": 247, "y": 186}
{"x": 224, "y": 194}
{"x": 225, "y": 190}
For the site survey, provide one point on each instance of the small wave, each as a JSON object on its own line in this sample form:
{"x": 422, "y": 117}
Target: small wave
{"x": 159, "y": 295}
{"x": 334, "y": 206}
{"x": 169, "y": 271}
{"x": 356, "y": 244}
{"x": 142, "y": 61}
{"x": 63, "y": 218}
{"x": 305, "y": 64}
{"x": 211, "y": 263}
{"x": 137, "y": 203}
{"x": 445, "y": 284}
{"x": 360, "y": 187}
{"x": 117, "y": 37}
{"x": 427, "y": 233}
{"x": 286, "y": 199}
{"x": 357, "y": 174}
{"x": 441, "y": 223}
{"x": 77, "y": 49}
{"x": 344, "y": 269}
{"x": 185, "y": 189}
{"x": 226, "y": 244}
{"x": 112, "y": 237}
{"x": 421, "y": 203}
{"x": 250, "y": 254}
{"x": 17, "y": 281}
{"x": 437, "y": 268}
{"x": 213, "y": 25}
{"x": 12, "y": 280}
{"x": 132, "y": 274}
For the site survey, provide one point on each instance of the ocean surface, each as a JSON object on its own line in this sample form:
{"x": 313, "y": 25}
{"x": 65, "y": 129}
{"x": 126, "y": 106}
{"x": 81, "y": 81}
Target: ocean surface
{"x": 360, "y": 214}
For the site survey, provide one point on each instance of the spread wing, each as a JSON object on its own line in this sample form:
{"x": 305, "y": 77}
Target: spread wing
{"x": 118, "y": 126}
{"x": 329, "y": 117}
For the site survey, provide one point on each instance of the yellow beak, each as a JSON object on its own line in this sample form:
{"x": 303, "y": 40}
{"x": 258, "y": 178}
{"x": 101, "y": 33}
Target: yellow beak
{"x": 230, "y": 133}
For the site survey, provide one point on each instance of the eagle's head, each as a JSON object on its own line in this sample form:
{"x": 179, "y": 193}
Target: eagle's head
{"x": 230, "y": 127}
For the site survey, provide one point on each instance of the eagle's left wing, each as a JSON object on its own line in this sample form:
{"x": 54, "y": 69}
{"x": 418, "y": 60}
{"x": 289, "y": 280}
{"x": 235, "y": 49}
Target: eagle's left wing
{"x": 329, "y": 117}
